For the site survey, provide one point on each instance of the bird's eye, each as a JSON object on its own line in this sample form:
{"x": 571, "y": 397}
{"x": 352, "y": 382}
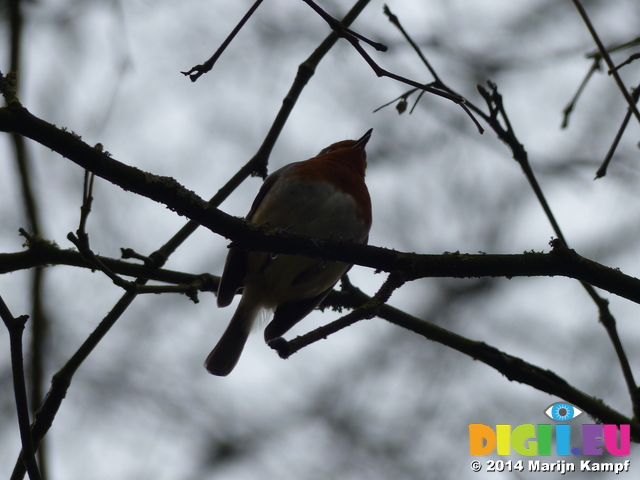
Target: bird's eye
{"x": 562, "y": 412}
{"x": 326, "y": 150}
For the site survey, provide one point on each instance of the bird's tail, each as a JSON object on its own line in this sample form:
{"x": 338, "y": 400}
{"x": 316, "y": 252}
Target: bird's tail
{"x": 224, "y": 357}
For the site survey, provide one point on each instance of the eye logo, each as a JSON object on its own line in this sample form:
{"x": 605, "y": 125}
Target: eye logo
{"x": 562, "y": 412}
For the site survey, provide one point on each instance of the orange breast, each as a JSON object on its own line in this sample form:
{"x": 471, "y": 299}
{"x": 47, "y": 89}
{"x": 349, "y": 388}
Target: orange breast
{"x": 345, "y": 171}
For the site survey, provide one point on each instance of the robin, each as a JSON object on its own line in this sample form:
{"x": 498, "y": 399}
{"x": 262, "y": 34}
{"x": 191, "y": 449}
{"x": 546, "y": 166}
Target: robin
{"x": 323, "y": 197}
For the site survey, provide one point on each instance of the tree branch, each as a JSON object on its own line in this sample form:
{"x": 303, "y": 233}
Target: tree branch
{"x": 199, "y": 70}
{"x": 354, "y": 39}
{"x": 561, "y": 261}
{"x": 42, "y": 254}
{"x": 169, "y": 192}
{"x": 366, "y": 311}
{"x": 607, "y": 58}
{"x": 506, "y": 133}
{"x": 602, "y": 171}
{"x": 15, "y": 326}
{"x": 514, "y": 368}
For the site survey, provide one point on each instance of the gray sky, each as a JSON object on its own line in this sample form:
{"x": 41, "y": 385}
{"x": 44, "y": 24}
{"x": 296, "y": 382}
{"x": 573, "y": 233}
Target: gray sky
{"x": 372, "y": 401}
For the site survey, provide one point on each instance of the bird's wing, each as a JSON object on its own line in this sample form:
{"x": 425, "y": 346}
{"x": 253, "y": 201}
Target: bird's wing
{"x": 264, "y": 189}
{"x": 235, "y": 267}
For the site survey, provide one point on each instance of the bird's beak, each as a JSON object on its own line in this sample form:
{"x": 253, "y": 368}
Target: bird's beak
{"x": 363, "y": 141}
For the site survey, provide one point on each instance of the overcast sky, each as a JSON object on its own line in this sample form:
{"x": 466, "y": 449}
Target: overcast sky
{"x": 372, "y": 401}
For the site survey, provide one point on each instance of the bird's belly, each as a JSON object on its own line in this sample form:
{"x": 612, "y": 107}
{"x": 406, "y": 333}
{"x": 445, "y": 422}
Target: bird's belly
{"x": 312, "y": 208}
{"x": 284, "y": 278}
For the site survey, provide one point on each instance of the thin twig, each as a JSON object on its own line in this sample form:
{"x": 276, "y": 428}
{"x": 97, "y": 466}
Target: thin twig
{"x": 197, "y": 71}
{"x": 87, "y": 200}
{"x": 607, "y": 58}
{"x": 81, "y": 241}
{"x": 381, "y": 72}
{"x": 190, "y": 290}
{"x": 354, "y": 40}
{"x": 365, "y": 311}
{"x": 131, "y": 253}
{"x": 15, "y": 326}
{"x": 507, "y": 135}
{"x": 342, "y": 30}
{"x": 566, "y": 113}
{"x": 403, "y": 99}
{"x": 396, "y": 22}
{"x": 437, "y": 84}
{"x": 631, "y": 58}
{"x": 82, "y": 244}
{"x": 596, "y": 56}
{"x": 602, "y": 171}
{"x": 616, "y": 48}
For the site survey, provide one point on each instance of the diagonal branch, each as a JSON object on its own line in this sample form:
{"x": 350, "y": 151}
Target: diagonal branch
{"x": 602, "y": 171}
{"x": 354, "y": 39}
{"x": 566, "y": 112}
{"x": 514, "y": 368}
{"x": 340, "y": 29}
{"x": 15, "y": 326}
{"x": 199, "y": 70}
{"x": 607, "y": 58}
{"x": 366, "y": 311}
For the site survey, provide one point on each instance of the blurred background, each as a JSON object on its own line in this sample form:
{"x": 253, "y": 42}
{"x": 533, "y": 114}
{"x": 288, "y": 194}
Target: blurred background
{"x": 373, "y": 401}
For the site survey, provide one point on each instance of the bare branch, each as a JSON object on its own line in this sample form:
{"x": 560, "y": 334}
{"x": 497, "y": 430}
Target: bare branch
{"x": 354, "y": 38}
{"x": 629, "y": 60}
{"x": 245, "y": 235}
{"x": 506, "y": 133}
{"x": 602, "y": 171}
{"x": 81, "y": 241}
{"x": 340, "y": 29}
{"x": 566, "y": 113}
{"x": 494, "y": 101}
{"x": 15, "y": 326}
{"x": 396, "y": 22}
{"x": 607, "y": 58}
{"x": 514, "y": 368}
{"x": 366, "y": 311}
{"x": 199, "y": 70}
